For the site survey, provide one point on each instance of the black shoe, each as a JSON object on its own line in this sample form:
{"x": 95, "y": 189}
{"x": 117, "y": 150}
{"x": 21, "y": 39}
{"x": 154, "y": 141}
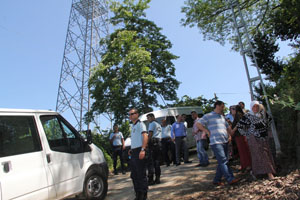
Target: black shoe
{"x": 123, "y": 172}
{"x": 187, "y": 162}
{"x": 203, "y": 165}
{"x": 150, "y": 180}
{"x": 157, "y": 180}
{"x": 141, "y": 196}
{"x": 177, "y": 164}
{"x": 116, "y": 173}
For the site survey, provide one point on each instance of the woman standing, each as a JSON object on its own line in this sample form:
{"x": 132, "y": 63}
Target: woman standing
{"x": 255, "y": 126}
{"x": 241, "y": 140}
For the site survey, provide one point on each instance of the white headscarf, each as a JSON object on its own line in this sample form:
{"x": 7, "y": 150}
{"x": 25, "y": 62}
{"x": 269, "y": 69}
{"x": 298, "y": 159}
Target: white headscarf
{"x": 251, "y": 106}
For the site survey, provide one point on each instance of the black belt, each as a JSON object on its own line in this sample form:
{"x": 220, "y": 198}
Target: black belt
{"x": 181, "y": 137}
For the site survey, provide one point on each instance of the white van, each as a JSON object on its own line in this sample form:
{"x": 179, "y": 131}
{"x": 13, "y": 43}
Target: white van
{"x": 43, "y": 157}
{"x": 170, "y": 115}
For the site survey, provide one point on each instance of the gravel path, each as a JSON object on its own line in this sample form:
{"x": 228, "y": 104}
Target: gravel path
{"x": 176, "y": 182}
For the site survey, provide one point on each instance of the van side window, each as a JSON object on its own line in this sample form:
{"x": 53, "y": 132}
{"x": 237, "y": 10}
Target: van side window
{"x": 18, "y": 135}
{"x": 60, "y": 136}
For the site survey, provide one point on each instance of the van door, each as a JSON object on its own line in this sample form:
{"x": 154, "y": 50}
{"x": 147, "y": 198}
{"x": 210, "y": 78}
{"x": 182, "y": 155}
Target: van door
{"x": 22, "y": 170}
{"x": 65, "y": 155}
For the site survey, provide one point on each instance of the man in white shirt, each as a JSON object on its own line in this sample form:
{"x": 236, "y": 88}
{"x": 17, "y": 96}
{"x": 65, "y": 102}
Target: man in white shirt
{"x": 154, "y": 131}
{"x": 139, "y": 141}
{"x": 167, "y": 143}
{"x": 117, "y": 141}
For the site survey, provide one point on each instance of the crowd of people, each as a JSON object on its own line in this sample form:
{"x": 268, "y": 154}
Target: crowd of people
{"x": 241, "y": 134}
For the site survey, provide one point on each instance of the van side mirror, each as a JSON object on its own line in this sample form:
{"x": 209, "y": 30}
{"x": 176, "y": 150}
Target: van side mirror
{"x": 89, "y": 137}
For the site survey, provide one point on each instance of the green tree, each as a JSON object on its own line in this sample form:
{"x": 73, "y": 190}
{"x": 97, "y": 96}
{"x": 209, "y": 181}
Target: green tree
{"x": 214, "y": 17}
{"x": 136, "y": 65}
{"x": 206, "y": 104}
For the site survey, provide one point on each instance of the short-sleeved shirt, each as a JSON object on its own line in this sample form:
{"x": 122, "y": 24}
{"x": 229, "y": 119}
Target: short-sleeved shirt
{"x": 217, "y": 127}
{"x": 137, "y": 131}
{"x": 118, "y": 138}
{"x": 179, "y": 129}
{"x": 166, "y": 131}
{"x": 198, "y": 134}
{"x": 155, "y": 128}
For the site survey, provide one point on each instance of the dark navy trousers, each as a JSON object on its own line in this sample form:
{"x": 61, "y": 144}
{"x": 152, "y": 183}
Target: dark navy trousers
{"x": 138, "y": 171}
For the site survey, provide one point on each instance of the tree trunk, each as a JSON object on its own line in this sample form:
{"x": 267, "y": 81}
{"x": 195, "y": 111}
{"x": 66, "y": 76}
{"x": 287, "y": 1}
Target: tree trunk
{"x": 146, "y": 105}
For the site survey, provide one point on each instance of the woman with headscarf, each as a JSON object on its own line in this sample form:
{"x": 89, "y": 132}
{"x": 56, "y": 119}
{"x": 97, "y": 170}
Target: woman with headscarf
{"x": 241, "y": 140}
{"x": 254, "y": 125}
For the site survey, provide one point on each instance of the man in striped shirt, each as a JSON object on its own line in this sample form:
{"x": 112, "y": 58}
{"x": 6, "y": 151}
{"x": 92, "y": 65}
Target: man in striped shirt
{"x": 216, "y": 127}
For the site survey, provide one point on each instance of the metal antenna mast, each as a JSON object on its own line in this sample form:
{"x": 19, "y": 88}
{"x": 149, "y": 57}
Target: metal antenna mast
{"x": 87, "y": 24}
{"x": 247, "y": 48}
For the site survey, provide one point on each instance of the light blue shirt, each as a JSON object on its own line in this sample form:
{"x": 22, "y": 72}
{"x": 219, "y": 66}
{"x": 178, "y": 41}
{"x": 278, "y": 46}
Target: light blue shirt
{"x": 137, "y": 131}
{"x": 217, "y": 127}
{"x": 166, "y": 131}
{"x": 178, "y": 129}
{"x": 230, "y": 117}
{"x": 118, "y": 138}
{"x": 155, "y": 128}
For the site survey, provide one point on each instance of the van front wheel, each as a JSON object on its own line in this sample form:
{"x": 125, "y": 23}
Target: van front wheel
{"x": 95, "y": 186}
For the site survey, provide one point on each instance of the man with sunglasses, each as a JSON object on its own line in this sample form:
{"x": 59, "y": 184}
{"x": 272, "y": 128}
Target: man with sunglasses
{"x": 139, "y": 140}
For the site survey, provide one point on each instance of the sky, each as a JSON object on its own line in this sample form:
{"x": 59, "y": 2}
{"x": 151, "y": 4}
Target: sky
{"x": 32, "y": 39}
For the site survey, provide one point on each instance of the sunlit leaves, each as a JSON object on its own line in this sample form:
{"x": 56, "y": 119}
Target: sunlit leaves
{"x": 136, "y": 65}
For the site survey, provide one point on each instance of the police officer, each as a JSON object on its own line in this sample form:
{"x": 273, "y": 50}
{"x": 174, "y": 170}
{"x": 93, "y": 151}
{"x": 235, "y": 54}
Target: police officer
{"x": 139, "y": 140}
{"x": 167, "y": 143}
{"x": 154, "y": 144}
{"x": 117, "y": 141}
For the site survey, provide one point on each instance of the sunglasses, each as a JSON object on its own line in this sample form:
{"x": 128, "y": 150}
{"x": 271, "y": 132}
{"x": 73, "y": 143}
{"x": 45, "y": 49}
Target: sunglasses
{"x": 131, "y": 114}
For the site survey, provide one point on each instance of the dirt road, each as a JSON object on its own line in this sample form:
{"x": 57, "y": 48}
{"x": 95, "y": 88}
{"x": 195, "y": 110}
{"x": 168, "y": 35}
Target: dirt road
{"x": 176, "y": 182}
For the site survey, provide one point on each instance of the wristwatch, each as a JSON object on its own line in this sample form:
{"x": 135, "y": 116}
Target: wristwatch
{"x": 142, "y": 149}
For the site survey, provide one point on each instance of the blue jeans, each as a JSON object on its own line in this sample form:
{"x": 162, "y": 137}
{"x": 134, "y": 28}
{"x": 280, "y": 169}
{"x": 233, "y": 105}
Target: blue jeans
{"x": 221, "y": 153}
{"x": 202, "y": 155}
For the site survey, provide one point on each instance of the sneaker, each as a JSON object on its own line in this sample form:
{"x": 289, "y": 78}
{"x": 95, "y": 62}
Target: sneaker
{"x": 234, "y": 181}
{"x": 187, "y": 162}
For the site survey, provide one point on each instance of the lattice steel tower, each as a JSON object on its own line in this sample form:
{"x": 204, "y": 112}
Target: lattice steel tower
{"x": 87, "y": 24}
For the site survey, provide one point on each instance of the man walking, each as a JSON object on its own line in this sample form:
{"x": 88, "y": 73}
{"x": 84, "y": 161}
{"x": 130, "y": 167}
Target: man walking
{"x": 154, "y": 144}
{"x": 218, "y": 131}
{"x": 117, "y": 141}
{"x": 179, "y": 131}
{"x": 199, "y": 137}
{"x": 139, "y": 140}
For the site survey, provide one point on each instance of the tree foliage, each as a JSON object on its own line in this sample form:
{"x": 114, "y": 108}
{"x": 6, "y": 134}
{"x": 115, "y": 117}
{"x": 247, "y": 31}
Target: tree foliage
{"x": 214, "y": 18}
{"x": 285, "y": 20}
{"x": 206, "y": 104}
{"x": 265, "y": 49}
{"x": 135, "y": 67}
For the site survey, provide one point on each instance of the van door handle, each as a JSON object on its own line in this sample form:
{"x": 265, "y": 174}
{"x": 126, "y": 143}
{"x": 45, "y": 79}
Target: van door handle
{"x": 48, "y": 158}
{"x": 6, "y": 166}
